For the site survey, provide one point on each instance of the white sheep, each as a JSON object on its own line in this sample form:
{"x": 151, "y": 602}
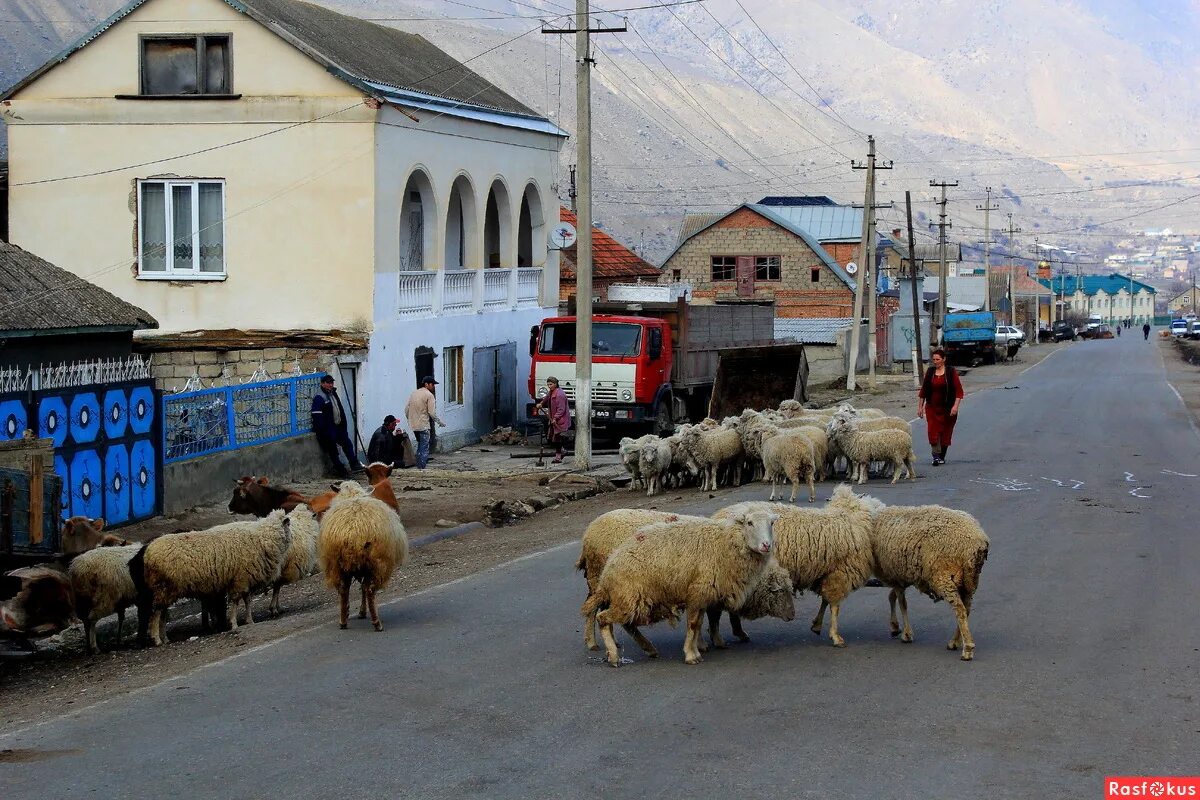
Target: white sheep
{"x": 790, "y": 455}
{"x": 689, "y": 564}
{"x": 936, "y": 549}
{"x": 711, "y": 450}
{"x": 654, "y": 464}
{"x": 102, "y": 585}
{"x": 361, "y": 539}
{"x": 828, "y": 550}
{"x": 629, "y": 451}
{"x": 791, "y": 408}
{"x": 772, "y": 595}
{"x": 228, "y": 560}
{"x": 863, "y": 447}
{"x": 873, "y": 424}
{"x": 301, "y": 558}
{"x": 605, "y": 534}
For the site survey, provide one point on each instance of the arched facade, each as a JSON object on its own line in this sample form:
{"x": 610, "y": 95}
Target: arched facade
{"x": 462, "y": 226}
{"x": 498, "y": 227}
{"x": 531, "y": 228}
{"x": 418, "y": 223}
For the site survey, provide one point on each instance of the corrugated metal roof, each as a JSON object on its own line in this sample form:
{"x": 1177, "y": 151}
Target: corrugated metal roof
{"x": 824, "y": 223}
{"x": 694, "y": 223}
{"x": 810, "y": 330}
{"x": 1092, "y": 284}
{"x": 797, "y": 200}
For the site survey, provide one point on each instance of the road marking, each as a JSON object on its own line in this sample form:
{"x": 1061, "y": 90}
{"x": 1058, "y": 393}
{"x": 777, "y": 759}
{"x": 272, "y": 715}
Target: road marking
{"x": 1043, "y": 361}
{"x": 1129, "y": 478}
{"x": 1180, "y": 474}
{"x": 77, "y": 712}
{"x": 1056, "y": 481}
{"x": 1134, "y": 492}
{"x": 1005, "y": 484}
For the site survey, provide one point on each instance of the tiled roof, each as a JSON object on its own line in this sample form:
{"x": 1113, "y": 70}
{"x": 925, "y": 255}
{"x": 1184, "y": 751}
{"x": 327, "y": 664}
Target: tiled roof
{"x": 610, "y": 258}
{"x": 351, "y": 48}
{"x": 36, "y": 296}
{"x": 1091, "y": 284}
{"x": 810, "y": 330}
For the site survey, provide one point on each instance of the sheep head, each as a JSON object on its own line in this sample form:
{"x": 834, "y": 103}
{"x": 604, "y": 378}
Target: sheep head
{"x": 758, "y": 529}
{"x": 771, "y": 596}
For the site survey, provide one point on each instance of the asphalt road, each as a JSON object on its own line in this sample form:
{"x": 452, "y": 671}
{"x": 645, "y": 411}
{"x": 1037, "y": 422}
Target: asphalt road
{"x": 1085, "y": 624}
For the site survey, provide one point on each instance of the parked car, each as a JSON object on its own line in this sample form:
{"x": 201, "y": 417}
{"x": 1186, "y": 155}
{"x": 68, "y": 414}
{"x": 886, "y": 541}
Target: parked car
{"x": 1193, "y": 329}
{"x": 1063, "y": 330}
{"x": 1179, "y": 327}
{"x": 1009, "y": 334}
{"x": 1104, "y": 332}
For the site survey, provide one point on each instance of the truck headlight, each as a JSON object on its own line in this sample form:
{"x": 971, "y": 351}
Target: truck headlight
{"x": 626, "y": 395}
{"x": 542, "y": 392}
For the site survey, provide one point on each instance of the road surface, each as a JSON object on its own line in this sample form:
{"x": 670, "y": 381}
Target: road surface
{"x": 1082, "y": 470}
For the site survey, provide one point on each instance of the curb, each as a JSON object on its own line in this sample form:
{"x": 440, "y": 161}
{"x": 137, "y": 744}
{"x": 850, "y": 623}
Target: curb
{"x": 448, "y": 533}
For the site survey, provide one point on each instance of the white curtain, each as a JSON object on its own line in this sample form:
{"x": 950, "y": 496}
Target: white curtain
{"x": 154, "y": 228}
{"x": 181, "y": 228}
{"x": 212, "y": 235}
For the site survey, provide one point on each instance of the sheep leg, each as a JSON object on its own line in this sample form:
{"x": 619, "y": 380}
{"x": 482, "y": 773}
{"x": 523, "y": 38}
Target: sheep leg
{"x": 774, "y": 485}
{"x": 89, "y": 628}
{"x": 834, "y": 636}
{"x": 893, "y": 625}
{"x": 231, "y": 613}
{"x": 344, "y": 603}
{"x": 273, "y": 609}
{"x": 896, "y": 470}
{"x": 956, "y": 640}
{"x": 812, "y": 489}
{"x": 794, "y": 478}
{"x": 611, "y": 651}
{"x": 375, "y": 621}
{"x": 120, "y": 625}
{"x": 647, "y": 646}
{"x": 691, "y": 647}
{"x": 735, "y": 622}
{"x": 819, "y": 620}
{"x": 246, "y": 602}
{"x": 155, "y": 626}
{"x": 906, "y": 635}
{"x": 714, "y": 628}
{"x": 589, "y": 630}
{"x": 949, "y": 592}
{"x": 911, "y": 463}
{"x": 362, "y": 603}
{"x": 862, "y": 468}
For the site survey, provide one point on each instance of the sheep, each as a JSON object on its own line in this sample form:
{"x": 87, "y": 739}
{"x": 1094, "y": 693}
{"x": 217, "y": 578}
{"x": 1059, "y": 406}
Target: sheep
{"x": 361, "y": 539}
{"x": 683, "y": 470}
{"x": 301, "y": 558}
{"x": 863, "y": 447}
{"x": 827, "y": 550}
{"x": 604, "y": 535}
{"x": 750, "y": 430}
{"x": 102, "y": 584}
{"x": 820, "y": 442}
{"x": 630, "y": 451}
{"x": 936, "y": 549}
{"x": 227, "y": 560}
{"x": 861, "y": 413}
{"x": 711, "y": 450}
{"x": 771, "y": 596}
{"x": 789, "y": 455}
{"x": 689, "y": 564}
{"x": 791, "y": 408}
{"x": 873, "y": 424}
{"x": 654, "y": 462}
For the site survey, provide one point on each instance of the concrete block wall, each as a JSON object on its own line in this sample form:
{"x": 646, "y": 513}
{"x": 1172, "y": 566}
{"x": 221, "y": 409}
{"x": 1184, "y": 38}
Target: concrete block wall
{"x": 171, "y": 370}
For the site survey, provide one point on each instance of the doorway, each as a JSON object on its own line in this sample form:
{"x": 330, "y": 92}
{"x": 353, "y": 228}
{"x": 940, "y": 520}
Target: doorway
{"x": 494, "y": 387}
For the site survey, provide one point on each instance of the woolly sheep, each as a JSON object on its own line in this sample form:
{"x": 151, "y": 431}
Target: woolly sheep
{"x": 711, "y": 450}
{"x": 654, "y": 462}
{"x": 936, "y": 549}
{"x": 604, "y": 535}
{"x": 874, "y": 424}
{"x": 827, "y": 550}
{"x": 102, "y": 584}
{"x": 820, "y": 442}
{"x": 789, "y": 455}
{"x": 629, "y": 450}
{"x": 689, "y": 564}
{"x": 361, "y": 539}
{"x": 863, "y": 447}
{"x": 791, "y": 408}
{"x": 227, "y": 560}
{"x": 861, "y": 413}
{"x": 683, "y": 469}
{"x": 301, "y": 558}
{"x": 771, "y": 596}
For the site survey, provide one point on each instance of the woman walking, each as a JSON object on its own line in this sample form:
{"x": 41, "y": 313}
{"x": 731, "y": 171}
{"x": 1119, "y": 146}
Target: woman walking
{"x": 937, "y": 403}
{"x": 559, "y": 416}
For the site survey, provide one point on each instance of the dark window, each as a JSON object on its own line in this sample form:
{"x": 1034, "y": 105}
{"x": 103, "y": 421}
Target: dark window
{"x": 816, "y": 274}
{"x": 766, "y": 268}
{"x": 174, "y": 65}
{"x": 724, "y": 268}
{"x": 608, "y": 339}
{"x": 676, "y": 275}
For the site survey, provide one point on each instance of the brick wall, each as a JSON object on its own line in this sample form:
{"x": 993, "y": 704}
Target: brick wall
{"x": 171, "y": 370}
{"x": 745, "y": 233}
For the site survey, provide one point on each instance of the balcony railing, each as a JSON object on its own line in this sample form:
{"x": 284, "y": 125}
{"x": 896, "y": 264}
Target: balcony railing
{"x": 428, "y": 293}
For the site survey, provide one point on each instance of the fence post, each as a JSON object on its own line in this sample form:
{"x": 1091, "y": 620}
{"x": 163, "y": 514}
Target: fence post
{"x": 230, "y": 418}
{"x": 293, "y": 384}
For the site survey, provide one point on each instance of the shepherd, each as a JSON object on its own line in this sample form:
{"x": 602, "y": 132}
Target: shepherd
{"x": 559, "y": 415}
{"x": 937, "y": 403}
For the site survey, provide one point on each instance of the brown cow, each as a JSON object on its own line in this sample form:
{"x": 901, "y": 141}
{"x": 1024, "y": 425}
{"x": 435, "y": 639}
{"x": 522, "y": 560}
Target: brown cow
{"x": 381, "y": 489}
{"x": 35, "y": 602}
{"x": 80, "y": 534}
{"x": 255, "y": 495}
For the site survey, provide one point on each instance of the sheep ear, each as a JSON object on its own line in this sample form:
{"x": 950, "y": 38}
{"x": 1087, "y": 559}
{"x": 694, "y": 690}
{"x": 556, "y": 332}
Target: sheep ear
{"x": 263, "y": 480}
{"x": 67, "y": 526}
{"x": 98, "y": 523}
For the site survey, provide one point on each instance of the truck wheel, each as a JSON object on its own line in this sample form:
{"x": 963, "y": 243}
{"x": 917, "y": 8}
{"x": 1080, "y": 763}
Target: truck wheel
{"x": 663, "y": 426}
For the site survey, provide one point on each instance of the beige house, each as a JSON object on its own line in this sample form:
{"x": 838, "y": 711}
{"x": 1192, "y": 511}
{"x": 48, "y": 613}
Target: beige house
{"x": 273, "y": 165}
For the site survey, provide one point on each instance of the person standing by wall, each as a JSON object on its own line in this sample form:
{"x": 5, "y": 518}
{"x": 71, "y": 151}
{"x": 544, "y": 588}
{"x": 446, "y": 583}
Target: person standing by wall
{"x": 421, "y": 413}
{"x": 387, "y": 444}
{"x": 558, "y": 416}
{"x": 938, "y": 402}
{"x": 329, "y": 424}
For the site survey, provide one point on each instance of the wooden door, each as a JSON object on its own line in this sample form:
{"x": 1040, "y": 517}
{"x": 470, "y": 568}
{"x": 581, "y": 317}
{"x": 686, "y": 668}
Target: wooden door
{"x": 745, "y": 276}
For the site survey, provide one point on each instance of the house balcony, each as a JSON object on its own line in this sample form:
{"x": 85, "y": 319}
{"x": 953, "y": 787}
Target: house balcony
{"x": 428, "y": 293}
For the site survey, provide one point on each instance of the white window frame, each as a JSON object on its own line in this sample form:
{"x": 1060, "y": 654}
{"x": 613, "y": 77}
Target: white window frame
{"x": 454, "y": 376}
{"x": 171, "y": 273}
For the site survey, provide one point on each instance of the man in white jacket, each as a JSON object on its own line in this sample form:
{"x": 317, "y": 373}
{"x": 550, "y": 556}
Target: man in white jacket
{"x": 421, "y": 412}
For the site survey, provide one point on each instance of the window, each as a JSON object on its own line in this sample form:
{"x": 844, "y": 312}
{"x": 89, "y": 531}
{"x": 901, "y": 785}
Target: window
{"x": 181, "y": 229}
{"x": 724, "y": 268}
{"x": 452, "y": 378}
{"x": 676, "y": 275}
{"x": 608, "y": 339}
{"x": 766, "y": 268}
{"x": 186, "y": 65}
{"x": 816, "y": 274}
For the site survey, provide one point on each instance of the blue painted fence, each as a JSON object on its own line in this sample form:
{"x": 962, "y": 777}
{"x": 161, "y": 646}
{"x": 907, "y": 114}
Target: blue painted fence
{"x": 215, "y": 420}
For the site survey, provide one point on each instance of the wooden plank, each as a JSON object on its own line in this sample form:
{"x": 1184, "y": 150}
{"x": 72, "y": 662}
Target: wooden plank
{"x": 36, "y": 488}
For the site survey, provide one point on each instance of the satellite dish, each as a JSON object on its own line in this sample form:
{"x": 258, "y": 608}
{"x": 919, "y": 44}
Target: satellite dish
{"x": 851, "y": 268}
{"x": 563, "y": 235}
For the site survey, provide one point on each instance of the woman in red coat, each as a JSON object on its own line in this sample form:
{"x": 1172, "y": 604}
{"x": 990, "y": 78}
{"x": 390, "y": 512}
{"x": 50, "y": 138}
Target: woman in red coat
{"x": 937, "y": 403}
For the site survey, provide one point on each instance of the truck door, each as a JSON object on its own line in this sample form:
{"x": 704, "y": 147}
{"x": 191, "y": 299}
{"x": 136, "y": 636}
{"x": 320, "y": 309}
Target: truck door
{"x": 745, "y": 276}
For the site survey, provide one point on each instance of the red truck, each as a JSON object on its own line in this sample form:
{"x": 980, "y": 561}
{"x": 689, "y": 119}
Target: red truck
{"x": 655, "y": 364}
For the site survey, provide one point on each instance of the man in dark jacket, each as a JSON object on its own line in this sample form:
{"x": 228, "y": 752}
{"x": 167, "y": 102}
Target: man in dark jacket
{"x": 329, "y": 424}
{"x": 387, "y": 444}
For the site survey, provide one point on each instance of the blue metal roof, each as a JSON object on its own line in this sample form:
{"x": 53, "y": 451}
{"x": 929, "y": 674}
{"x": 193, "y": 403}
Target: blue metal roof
{"x": 823, "y": 223}
{"x": 797, "y": 200}
{"x": 1093, "y": 284}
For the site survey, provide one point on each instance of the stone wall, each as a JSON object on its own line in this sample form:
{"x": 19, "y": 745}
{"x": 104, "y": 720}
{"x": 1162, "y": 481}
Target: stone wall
{"x": 171, "y": 370}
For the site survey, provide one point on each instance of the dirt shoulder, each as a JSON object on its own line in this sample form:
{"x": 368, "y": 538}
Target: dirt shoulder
{"x": 1181, "y": 360}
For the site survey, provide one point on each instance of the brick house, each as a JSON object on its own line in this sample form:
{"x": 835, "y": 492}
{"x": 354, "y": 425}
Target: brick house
{"x": 753, "y": 252}
{"x": 612, "y": 262}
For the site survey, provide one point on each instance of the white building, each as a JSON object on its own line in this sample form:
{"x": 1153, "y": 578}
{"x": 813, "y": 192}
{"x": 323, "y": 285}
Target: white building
{"x": 1112, "y": 297}
{"x": 273, "y": 165}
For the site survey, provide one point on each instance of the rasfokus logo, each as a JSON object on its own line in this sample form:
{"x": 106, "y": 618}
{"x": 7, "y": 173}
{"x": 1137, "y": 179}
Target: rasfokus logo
{"x": 1117, "y": 786}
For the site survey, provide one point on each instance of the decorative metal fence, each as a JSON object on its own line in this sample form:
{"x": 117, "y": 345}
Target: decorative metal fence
{"x": 214, "y": 420}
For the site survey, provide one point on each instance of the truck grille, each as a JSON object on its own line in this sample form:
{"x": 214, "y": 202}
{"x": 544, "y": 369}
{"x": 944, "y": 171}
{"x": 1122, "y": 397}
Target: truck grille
{"x": 600, "y": 393}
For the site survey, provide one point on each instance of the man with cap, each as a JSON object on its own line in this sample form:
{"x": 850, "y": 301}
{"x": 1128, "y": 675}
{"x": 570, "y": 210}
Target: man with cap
{"x": 387, "y": 444}
{"x": 421, "y": 412}
{"x": 329, "y": 424}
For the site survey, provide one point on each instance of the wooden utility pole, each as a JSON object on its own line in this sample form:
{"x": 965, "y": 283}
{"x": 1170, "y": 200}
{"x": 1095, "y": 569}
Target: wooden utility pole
{"x": 583, "y": 247}
{"x": 987, "y": 208}
{"x": 862, "y": 281}
{"x": 1013, "y": 230}
{"x": 917, "y": 294}
{"x": 942, "y": 225}
{"x": 573, "y": 192}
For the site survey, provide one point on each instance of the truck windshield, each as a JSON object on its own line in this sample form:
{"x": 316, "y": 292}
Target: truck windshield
{"x": 608, "y": 339}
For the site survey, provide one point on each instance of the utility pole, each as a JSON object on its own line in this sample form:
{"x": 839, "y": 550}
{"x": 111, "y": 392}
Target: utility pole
{"x": 583, "y": 248}
{"x": 987, "y": 208}
{"x": 863, "y": 278}
{"x": 572, "y": 193}
{"x": 916, "y": 293}
{"x": 942, "y": 225}
{"x": 1013, "y": 230}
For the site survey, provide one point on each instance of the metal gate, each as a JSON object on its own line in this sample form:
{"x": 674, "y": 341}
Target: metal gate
{"x": 494, "y": 387}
